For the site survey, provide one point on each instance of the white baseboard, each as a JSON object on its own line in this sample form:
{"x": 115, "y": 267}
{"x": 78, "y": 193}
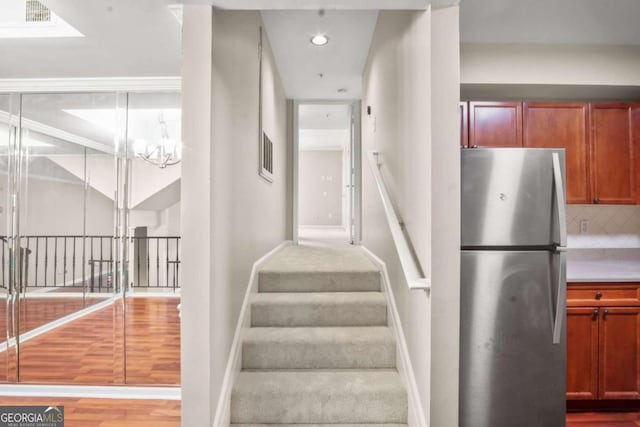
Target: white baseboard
{"x": 87, "y": 391}
{"x": 417, "y": 416}
{"x": 222, "y": 414}
{"x": 26, "y": 336}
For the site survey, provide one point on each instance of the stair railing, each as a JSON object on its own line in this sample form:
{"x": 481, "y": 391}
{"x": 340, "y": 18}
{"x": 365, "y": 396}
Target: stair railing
{"x": 411, "y": 268}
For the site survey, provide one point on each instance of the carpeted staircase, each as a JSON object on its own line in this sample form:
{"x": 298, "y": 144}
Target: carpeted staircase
{"x": 319, "y": 352}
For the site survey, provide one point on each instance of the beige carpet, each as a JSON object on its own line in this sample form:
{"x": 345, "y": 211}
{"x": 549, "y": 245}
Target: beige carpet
{"x": 319, "y": 351}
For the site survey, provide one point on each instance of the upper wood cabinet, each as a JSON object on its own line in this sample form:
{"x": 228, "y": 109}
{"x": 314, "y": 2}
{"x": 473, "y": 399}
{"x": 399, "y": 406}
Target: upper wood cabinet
{"x": 464, "y": 124}
{"x": 612, "y": 154}
{"x": 495, "y": 124}
{"x": 562, "y": 125}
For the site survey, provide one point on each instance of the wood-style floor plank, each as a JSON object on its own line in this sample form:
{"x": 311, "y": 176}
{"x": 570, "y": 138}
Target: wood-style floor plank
{"x": 153, "y": 346}
{"x": 89, "y": 350}
{"x": 84, "y": 412}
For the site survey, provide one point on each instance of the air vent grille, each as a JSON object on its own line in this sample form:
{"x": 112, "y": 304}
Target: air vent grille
{"x": 36, "y": 12}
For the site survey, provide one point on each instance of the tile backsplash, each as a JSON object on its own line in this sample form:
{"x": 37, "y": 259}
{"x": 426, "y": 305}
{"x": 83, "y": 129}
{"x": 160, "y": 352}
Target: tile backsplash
{"x": 608, "y": 226}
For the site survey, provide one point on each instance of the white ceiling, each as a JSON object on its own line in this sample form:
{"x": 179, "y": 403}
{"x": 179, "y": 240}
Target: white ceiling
{"x": 317, "y": 4}
{"x": 122, "y": 38}
{"x": 324, "y": 126}
{"x": 608, "y": 22}
{"x": 341, "y": 61}
{"x": 324, "y": 116}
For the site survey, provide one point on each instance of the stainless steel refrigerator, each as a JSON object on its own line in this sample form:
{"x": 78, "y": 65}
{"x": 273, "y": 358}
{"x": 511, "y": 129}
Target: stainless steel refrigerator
{"x": 513, "y": 288}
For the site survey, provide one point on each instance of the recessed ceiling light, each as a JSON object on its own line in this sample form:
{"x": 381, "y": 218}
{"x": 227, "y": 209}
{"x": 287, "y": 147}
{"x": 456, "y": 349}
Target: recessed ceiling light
{"x": 319, "y": 40}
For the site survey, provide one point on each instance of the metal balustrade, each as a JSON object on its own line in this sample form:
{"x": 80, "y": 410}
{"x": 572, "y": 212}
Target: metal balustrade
{"x": 90, "y": 262}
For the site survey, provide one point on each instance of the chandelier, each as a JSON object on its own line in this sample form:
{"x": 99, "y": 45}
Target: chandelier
{"x": 165, "y": 152}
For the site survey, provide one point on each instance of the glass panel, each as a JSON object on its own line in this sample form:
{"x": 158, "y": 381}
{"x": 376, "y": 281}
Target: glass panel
{"x": 152, "y": 326}
{"x": 67, "y": 190}
{"x": 7, "y": 351}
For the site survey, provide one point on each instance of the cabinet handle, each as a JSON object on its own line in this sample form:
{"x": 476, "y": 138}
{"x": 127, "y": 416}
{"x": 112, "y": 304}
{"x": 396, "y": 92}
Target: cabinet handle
{"x": 596, "y": 200}
{"x": 598, "y": 295}
{"x": 595, "y": 314}
{"x": 606, "y": 312}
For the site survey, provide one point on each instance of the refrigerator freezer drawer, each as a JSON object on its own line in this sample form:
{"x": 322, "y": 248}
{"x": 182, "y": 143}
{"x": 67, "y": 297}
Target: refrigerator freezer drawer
{"x": 511, "y": 372}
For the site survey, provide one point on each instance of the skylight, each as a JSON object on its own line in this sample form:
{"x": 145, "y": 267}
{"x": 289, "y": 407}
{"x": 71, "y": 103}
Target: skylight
{"x": 32, "y": 19}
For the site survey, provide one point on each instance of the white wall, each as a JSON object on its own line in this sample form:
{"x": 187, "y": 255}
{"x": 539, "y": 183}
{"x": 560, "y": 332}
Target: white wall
{"x": 146, "y": 179}
{"x": 550, "y": 64}
{"x": 411, "y": 82}
{"x": 56, "y": 207}
{"x": 220, "y": 180}
{"x": 196, "y": 327}
{"x": 320, "y": 187}
{"x": 397, "y": 87}
{"x": 445, "y": 215}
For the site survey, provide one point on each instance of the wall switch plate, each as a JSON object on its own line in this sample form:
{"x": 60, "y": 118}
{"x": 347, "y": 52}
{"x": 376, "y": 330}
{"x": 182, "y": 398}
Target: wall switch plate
{"x": 584, "y": 226}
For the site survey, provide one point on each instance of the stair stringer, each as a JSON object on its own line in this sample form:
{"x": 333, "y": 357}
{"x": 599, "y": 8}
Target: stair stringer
{"x": 222, "y": 416}
{"x": 416, "y": 416}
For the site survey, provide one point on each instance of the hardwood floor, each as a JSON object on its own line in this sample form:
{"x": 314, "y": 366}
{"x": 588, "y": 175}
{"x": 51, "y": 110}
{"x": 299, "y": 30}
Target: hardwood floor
{"x": 604, "y": 419}
{"x": 153, "y": 347}
{"x": 109, "y": 412}
{"x": 90, "y": 350}
{"x": 38, "y": 311}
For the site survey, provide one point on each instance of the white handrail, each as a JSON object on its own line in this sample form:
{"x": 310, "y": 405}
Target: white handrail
{"x": 410, "y": 265}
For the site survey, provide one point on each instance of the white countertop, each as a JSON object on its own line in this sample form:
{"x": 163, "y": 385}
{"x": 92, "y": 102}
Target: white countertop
{"x": 603, "y": 265}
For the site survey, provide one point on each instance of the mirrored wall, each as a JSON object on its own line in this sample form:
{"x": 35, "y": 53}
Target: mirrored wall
{"x": 89, "y": 198}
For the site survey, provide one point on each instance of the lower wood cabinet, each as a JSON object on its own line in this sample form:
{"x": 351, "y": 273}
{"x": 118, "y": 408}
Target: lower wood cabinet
{"x": 603, "y": 343}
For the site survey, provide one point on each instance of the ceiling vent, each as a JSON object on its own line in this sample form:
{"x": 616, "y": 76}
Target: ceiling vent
{"x": 36, "y": 12}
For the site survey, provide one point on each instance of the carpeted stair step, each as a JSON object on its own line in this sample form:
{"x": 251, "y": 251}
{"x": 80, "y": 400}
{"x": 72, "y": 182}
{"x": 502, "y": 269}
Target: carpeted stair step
{"x": 315, "y": 281}
{"x": 320, "y": 397}
{"x": 319, "y": 309}
{"x": 310, "y": 269}
{"x": 319, "y": 348}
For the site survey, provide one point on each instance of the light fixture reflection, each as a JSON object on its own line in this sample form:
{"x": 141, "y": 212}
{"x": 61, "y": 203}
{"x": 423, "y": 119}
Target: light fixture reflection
{"x": 162, "y": 153}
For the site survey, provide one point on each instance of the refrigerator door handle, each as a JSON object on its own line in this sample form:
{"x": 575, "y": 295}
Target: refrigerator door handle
{"x": 560, "y": 201}
{"x": 561, "y": 302}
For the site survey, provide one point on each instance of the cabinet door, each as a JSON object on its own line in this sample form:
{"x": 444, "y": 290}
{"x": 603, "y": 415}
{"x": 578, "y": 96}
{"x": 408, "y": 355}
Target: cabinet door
{"x": 464, "y": 124}
{"x": 582, "y": 353}
{"x": 562, "y": 125}
{"x": 612, "y": 160}
{"x": 619, "y": 353}
{"x": 495, "y": 124}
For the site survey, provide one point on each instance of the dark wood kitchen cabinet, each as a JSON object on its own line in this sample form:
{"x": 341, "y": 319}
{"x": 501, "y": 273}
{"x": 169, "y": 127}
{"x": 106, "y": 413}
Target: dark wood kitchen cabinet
{"x": 619, "y": 353}
{"x": 495, "y": 124}
{"x": 612, "y": 154}
{"x": 635, "y": 130}
{"x": 562, "y": 125}
{"x": 582, "y": 353}
{"x": 603, "y": 341}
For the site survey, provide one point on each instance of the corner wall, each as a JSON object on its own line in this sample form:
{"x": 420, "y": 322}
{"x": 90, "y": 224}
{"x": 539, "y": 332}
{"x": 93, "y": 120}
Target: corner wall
{"x": 230, "y": 215}
{"x": 411, "y": 82}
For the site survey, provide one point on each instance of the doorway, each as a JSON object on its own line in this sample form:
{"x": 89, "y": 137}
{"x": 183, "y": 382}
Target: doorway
{"x": 326, "y": 172}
